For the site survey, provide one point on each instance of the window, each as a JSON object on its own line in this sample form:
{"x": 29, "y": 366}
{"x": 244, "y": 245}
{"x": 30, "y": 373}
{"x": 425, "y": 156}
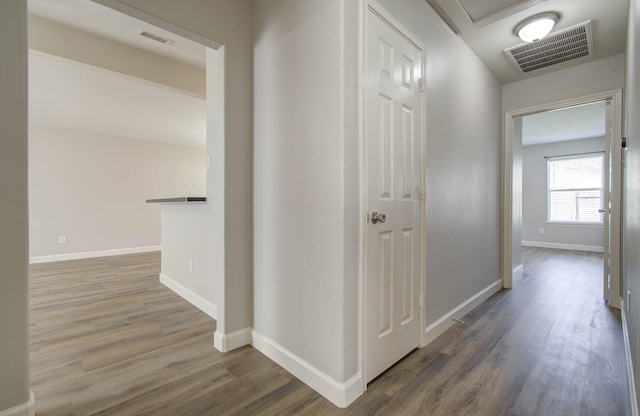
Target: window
{"x": 575, "y": 188}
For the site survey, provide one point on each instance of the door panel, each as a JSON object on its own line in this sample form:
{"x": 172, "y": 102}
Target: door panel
{"x": 393, "y": 131}
{"x": 386, "y": 281}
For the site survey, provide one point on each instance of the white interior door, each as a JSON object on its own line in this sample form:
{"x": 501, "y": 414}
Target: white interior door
{"x": 393, "y": 131}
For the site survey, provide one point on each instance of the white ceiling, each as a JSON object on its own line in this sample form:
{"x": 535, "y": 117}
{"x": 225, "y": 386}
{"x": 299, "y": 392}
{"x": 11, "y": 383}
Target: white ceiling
{"x": 69, "y": 94}
{"x": 73, "y": 95}
{"x": 97, "y": 19}
{"x": 487, "y": 26}
{"x": 580, "y": 122}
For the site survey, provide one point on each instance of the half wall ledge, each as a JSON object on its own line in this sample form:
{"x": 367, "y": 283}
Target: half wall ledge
{"x": 179, "y": 200}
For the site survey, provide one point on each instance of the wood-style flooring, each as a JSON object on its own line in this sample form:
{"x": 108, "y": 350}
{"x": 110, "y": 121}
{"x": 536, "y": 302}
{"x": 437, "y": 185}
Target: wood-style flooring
{"x": 108, "y": 339}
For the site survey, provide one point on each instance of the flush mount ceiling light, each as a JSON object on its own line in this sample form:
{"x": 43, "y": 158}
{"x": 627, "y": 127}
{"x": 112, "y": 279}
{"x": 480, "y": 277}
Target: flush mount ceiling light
{"x": 536, "y": 27}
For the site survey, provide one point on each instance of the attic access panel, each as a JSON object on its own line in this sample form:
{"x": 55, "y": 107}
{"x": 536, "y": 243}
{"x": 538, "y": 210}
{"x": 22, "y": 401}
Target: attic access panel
{"x": 567, "y": 45}
{"x": 479, "y": 9}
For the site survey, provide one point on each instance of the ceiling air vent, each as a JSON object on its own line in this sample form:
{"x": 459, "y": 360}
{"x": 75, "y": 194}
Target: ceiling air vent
{"x": 155, "y": 37}
{"x": 569, "y": 44}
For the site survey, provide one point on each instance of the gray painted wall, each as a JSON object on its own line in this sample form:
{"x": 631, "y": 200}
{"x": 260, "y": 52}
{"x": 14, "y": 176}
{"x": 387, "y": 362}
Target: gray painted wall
{"x": 534, "y": 212}
{"x": 463, "y": 163}
{"x": 14, "y": 242}
{"x": 594, "y": 77}
{"x": 310, "y": 260}
{"x": 631, "y": 239}
{"x": 92, "y": 189}
{"x": 300, "y": 166}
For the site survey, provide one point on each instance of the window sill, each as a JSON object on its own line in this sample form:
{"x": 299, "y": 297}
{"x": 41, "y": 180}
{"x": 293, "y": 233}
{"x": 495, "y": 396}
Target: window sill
{"x": 575, "y": 224}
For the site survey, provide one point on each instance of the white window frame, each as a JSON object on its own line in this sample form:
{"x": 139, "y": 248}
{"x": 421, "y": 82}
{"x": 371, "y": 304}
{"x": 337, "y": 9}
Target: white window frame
{"x": 551, "y": 159}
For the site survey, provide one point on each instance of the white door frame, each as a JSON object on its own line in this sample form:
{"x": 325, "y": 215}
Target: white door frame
{"x": 376, "y": 8}
{"x": 615, "y": 97}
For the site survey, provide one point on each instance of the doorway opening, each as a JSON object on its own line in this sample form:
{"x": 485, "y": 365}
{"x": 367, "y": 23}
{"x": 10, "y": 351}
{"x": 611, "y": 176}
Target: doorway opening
{"x": 106, "y": 45}
{"x": 562, "y": 183}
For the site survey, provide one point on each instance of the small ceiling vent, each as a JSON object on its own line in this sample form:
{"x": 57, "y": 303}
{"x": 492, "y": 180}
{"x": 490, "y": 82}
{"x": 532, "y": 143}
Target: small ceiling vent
{"x": 569, "y": 44}
{"x": 155, "y": 37}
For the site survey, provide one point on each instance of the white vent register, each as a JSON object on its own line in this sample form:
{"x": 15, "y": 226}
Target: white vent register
{"x": 563, "y": 46}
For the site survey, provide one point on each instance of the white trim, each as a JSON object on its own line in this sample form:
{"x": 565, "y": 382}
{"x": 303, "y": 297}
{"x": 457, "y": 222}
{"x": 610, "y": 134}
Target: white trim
{"x": 191, "y": 297}
{"x": 633, "y": 398}
{"x": 402, "y": 30}
{"x": 362, "y": 183}
{"x": 518, "y": 271}
{"x": 24, "y": 409}
{"x": 228, "y": 342}
{"x": 340, "y": 394}
{"x": 92, "y": 254}
{"x": 438, "y": 327}
{"x": 562, "y": 246}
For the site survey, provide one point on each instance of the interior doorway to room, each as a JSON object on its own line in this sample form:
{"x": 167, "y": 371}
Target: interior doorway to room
{"x": 565, "y": 182}
{"x": 154, "y": 105}
{"x": 141, "y": 92}
{"x": 143, "y": 104}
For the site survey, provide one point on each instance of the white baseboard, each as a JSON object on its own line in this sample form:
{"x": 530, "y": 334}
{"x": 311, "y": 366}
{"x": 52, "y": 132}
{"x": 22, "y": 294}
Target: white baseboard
{"x": 24, "y": 409}
{"x": 438, "y": 327}
{"x": 517, "y": 271}
{"x": 191, "y": 297}
{"x": 228, "y": 342}
{"x": 340, "y": 394}
{"x": 561, "y": 246}
{"x": 627, "y": 347}
{"x": 91, "y": 254}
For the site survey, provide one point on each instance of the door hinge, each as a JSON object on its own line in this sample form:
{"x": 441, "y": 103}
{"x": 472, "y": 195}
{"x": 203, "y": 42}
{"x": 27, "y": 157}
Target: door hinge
{"x": 421, "y": 300}
{"x": 421, "y": 84}
{"x": 423, "y": 193}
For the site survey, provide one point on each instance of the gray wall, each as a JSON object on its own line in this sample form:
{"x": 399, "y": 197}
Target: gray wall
{"x": 307, "y": 165}
{"x": 534, "y": 213}
{"x": 594, "y": 77}
{"x": 92, "y": 189}
{"x": 300, "y": 167}
{"x": 463, "y": 163}
{"x": 14, "y": 282}
{"x": 631, "y": 255}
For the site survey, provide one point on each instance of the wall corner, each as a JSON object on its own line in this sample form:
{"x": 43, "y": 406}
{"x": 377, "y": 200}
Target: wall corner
{"x": 24, "y": 409}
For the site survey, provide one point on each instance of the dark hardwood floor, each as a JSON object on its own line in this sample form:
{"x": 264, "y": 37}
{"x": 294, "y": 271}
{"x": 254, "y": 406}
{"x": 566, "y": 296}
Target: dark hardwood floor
{"x": 108, "y": 339}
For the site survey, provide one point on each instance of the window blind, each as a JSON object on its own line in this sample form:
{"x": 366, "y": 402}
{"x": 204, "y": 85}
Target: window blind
{"x": 575, "y": 188}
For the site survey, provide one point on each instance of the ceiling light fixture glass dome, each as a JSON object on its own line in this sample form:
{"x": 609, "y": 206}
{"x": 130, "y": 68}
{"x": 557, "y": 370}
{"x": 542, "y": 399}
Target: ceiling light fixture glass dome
{"x": 537, "y": 27}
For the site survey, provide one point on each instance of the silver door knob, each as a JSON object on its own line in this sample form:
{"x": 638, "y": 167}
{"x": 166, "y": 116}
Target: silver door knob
{"x": 377, "y": 218}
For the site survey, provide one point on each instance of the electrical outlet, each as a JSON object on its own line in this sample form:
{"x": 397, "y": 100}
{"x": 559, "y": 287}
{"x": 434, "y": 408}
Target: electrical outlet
{"x": 190, "y": 265}
{"x": 62, "y": 239}
{"x": 541, "y": 230}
